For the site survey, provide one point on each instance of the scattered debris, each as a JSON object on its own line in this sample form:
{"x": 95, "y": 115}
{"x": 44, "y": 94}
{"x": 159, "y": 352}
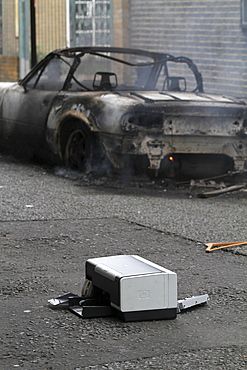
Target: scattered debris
{"x": 215, "y": 246}
{"x": 184, "y": 304}
{"x": 207, "y": 184}
{"x": 221, "y": 191}
{"x": 127, "y": 286}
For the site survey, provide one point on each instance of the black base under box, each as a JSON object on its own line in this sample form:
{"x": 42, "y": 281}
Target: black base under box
{"x": 164, "y": 314}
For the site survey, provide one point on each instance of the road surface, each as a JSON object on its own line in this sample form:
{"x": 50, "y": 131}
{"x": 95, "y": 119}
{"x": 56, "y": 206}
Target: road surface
{"x": 52, "y": 221}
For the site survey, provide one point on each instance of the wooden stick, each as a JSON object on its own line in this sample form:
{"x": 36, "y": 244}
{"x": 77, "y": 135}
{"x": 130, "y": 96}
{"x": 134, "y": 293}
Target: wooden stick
{"x": 220, "y": 191}
{"x": 222, "y": 245}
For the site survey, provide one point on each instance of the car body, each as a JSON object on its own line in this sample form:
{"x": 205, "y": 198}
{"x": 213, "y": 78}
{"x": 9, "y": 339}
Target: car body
{"x": 90, "y": 104}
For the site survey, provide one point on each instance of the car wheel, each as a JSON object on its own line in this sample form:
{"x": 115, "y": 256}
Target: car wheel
{"x": 77, "y": 151}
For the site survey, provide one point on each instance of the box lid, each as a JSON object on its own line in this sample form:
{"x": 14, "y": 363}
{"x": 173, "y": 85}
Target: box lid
{"x": 125, "y": 265}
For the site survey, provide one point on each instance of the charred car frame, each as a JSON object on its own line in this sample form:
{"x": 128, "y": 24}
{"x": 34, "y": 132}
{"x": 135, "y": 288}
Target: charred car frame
{"x": 126, "y": 106}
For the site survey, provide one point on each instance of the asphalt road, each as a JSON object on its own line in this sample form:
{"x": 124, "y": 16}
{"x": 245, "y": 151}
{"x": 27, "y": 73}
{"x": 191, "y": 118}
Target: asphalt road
{"x": 52, "y": 221}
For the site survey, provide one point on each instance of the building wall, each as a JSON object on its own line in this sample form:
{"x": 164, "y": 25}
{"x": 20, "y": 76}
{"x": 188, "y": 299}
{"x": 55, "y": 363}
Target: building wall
{"x": 50, "y": 33}
{"x": 207, "y": 31}
{"x": 1, "y": 33}
{"x": 50, "y": 26}
{"x": 10, "y": 27}
{"x": 121, "y": 23}
{"x": 9, "y": 60}
{"x": 9, "y": 68}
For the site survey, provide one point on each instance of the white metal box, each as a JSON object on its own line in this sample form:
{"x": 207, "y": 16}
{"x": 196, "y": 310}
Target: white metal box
{"x": 138, "y": 288}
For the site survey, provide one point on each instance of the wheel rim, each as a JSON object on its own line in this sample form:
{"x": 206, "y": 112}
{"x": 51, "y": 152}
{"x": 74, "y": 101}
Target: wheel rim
{"x": 76, "y": 150}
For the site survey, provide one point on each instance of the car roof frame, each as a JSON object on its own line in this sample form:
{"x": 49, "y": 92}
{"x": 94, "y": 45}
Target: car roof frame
{"x": 158, "y": 57}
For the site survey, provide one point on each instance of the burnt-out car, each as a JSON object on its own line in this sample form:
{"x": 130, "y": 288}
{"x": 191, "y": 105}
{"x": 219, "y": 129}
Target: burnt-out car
{"x": 129, "y": 107}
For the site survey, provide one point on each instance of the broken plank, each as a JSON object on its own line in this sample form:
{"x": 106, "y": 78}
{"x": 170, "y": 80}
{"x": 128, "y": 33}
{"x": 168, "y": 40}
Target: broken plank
{"x": 220, "y": 191}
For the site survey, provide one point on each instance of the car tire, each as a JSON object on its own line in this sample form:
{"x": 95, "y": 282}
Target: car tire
{"x": 78, "y": 150}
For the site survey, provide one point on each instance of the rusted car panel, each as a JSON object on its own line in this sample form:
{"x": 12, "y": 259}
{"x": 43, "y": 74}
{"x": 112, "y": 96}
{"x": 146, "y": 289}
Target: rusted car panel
{"x": 88, "y": 103}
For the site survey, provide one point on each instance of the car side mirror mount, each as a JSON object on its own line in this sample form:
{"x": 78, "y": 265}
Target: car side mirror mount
{"x": 23, "y": 86}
